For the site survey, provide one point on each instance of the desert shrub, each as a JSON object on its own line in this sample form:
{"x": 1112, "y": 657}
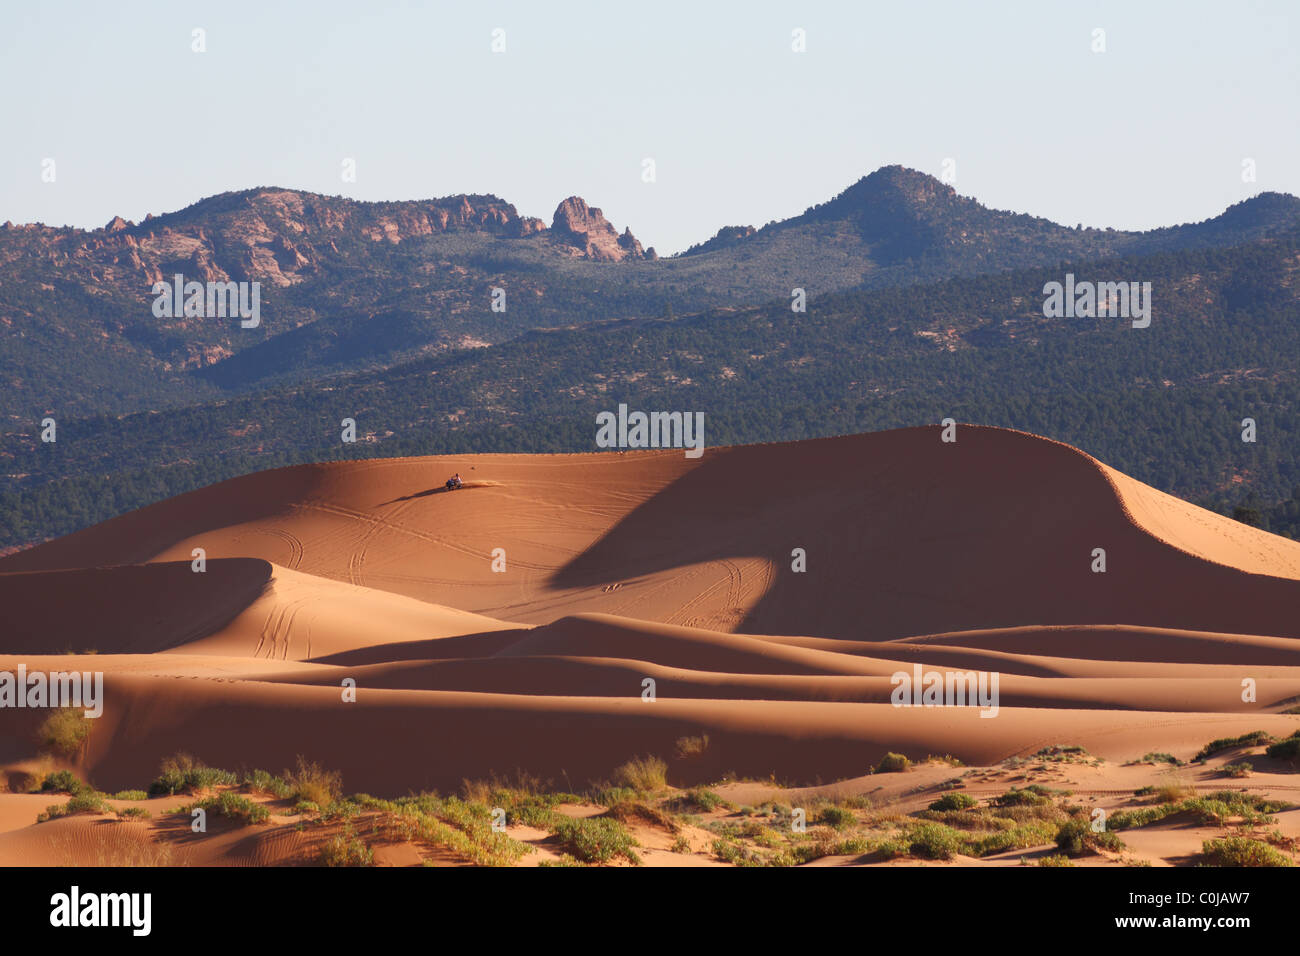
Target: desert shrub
{"x": 1161, "y": 757}
{"x": 735, "y": 854}
{"x": 65, "y": 731}
{"x": 1241, "y": 851}
{"x": 893, "y": 763}
{"x": 1253, "y": 739}
{"x": 130, "y": 795}
{"x": 139, "y": 812}
{"x": 87, "y": 801}
{"x": 309, "y": 782}
{"x": 1173, "y": 792}
{"x": 1056, "y": 859}
{"x": 260, "y": 781}
{"x": 643, "y": 774}
{"x": 234, "y": 807}
{"x": 1237, "y": 770}
{"x": 1219, "y": 807}
{"x": 62, "y": 781}
{"x": 1070, "y": 837}
{"x": 1062, "y": 754}
{"x": 610, "y": 796}
{"x": 681, "y": 845}
{"x": 346, "y": 849}
{"x": 688, "y": 747}
{"x": 837, "y": 817}
{"x": 934, "y": 841}
{"x": 595, "y": 839}
{"x": 1288, "y": 749}
{"x": 954, "y": 801}
{"x": 1076, "y": 837}
{"x": 889, "y": 848}
{"x": 1031, "y": 796}
{"x": 1144, "y": 816}
{"x": 181, "y": 773}
{"x": 463, "y": 827}
{"x": 816, "y": 849}
{"x": 699, "y": 800}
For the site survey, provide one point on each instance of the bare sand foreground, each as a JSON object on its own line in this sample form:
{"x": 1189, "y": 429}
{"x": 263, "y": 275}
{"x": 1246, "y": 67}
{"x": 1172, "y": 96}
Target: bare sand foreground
{"x": 506, "y": 632}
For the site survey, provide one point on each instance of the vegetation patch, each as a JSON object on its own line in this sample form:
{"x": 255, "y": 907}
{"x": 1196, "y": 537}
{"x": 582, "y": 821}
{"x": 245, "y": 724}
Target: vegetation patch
{"x": 1241, "y": 851}
{"x": 1255, "y": 738}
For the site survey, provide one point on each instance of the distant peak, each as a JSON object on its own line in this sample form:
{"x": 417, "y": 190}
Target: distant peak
{"x": 898, "y": 181}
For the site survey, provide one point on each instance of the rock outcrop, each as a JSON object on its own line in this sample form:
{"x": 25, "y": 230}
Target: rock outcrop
{"x": 585, "y": 229}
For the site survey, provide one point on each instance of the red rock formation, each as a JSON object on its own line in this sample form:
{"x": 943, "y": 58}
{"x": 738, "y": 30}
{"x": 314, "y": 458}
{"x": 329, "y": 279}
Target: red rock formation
{"x": 586, "y": 229}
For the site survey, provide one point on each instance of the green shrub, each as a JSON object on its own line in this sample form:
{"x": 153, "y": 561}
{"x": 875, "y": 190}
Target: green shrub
{"x": 130, "y": 795}
{"x": 1152, "y": 757}
{"x": 1062, "y": 754}
{"x": 1076, "y": 837}
{"x": 140, "y": 812}
{"x": 934, "y": 841}
{"x": 893, "y": 763}
{"x": 62, "y": 781}
{"x": 346, "y": 849}
{"x": 181, "y": 773}
{"x": 954, "y": 801}
{"x": 1288, "y": 749}
{"x": 1253, "y": 739}
{"x": 233, "y": 806}
{"x": 699, "y": 800}
{"x": 260, "y": 781}
{"x": 1056, "y": 859}
{"x": 735, "y": 854}
{"x": 65, "y": 731}
{"x": 595, "y": 839}
{"x": 1031, "y": 796}
{"x": 837, "y": 817}
{"x": 1241, "y": 851}
{"x": 87, "y": 801}
{"x": 1237, "y": 770}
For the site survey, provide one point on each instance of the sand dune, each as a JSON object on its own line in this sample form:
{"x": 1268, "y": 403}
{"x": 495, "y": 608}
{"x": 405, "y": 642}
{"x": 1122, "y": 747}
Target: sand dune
{"x": 511, "y": 625}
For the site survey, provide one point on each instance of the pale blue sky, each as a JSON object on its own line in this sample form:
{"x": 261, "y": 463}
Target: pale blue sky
{"x": 742, "y": 129}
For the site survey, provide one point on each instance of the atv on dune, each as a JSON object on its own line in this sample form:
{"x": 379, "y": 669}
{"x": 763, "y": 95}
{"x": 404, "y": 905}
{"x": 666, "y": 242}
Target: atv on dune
{"x": 454, "y": 482}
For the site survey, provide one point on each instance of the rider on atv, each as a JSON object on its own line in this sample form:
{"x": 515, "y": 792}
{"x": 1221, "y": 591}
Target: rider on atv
{"x": 454, "y": 482}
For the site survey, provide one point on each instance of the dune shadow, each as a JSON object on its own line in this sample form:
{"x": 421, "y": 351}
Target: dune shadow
{"x": 481, "y": 644}
{"x": 893, "y": 534}
{"x": 428, "y": 492}
{"x": 132, "y": 609}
